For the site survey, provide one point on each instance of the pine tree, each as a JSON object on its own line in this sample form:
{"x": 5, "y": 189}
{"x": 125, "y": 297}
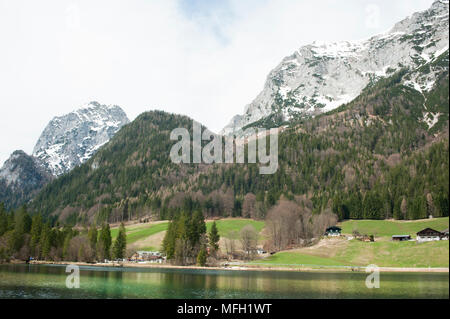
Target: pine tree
{"x": 66, "y": 245}
{"x": 3, "y": 220}
{"x": 201, "y": 257}
{"x": 36, "y": 229}
{"x": 196, "y": 228}
{"x": 45, "y": 240}
{"x": 23, "y": 221}
{"x": 120, "y": 244}
{"x": 214, "y": 237}
{"x": 170, "y": 240}
{"x": 105, "y": 242}
{"x": 22, "y": 226}
{"x": 92, "y": 236}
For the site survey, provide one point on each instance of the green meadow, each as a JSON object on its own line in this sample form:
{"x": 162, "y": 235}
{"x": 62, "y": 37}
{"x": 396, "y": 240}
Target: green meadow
{"x": 383, "y": 252}
{"x": 227, "y": 228}
{"x": 230, "y": 228}
{"x": 387, "y": 228}
{"x": 357, "y": 253}
{"x": 138, "y": 232}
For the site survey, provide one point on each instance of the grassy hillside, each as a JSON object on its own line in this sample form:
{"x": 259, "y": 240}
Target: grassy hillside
{"x": 357, "y": 253}
{"x": 228, "y": 228}
{"x": 138, "y": 232}
{"x": 396, "y": 254}
{"x": 380, "y": 228}
{"x": 383, "y": 252}
{"x": 139, "y": 236}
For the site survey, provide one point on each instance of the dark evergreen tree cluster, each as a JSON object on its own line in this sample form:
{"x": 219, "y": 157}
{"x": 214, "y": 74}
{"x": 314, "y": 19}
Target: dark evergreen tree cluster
{"x": 24, "y": 236}
{"x": 186, "y": 241}
{"x": 185, "y": 238}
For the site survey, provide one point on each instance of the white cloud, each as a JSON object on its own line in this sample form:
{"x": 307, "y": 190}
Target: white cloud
{"x": 142, "y": 55}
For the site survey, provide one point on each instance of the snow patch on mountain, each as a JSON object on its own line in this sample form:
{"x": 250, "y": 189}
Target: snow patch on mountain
{"x": 322, "y": 76}
{"x": 72, "y": 139}
{"x": 430, "y": 118}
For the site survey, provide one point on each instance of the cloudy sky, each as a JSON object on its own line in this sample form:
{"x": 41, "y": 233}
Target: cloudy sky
{"x": 203, "y": 58}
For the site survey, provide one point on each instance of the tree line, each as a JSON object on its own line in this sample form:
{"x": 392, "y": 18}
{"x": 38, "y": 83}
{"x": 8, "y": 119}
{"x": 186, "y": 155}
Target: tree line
{"x": 24, "y": 236}
{"x": 186, "y": 241}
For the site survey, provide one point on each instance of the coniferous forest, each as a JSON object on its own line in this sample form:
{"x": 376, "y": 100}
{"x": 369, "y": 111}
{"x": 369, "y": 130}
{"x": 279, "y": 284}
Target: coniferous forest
{"x": 24, "y": 236}
{"x": 374, "y": 158}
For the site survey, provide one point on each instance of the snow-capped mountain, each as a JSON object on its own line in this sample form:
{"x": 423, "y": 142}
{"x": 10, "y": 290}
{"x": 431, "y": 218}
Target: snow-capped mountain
{"x": 21, "y": 177}
{"x": 72, "y": 139}
{"x": 322, "y": 76}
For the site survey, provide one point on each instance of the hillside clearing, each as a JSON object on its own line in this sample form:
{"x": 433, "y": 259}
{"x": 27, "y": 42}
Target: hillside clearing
{"x": 341, "y": 252}
{"x": 141, "y": 231}
{"x": 387, "y": 228}
{"x": 230, "y": 227}
{"x": 144, "y": 235}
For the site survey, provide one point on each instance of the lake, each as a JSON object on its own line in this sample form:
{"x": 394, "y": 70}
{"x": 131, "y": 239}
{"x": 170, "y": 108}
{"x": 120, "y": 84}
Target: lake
{"x": 48, "y": 281}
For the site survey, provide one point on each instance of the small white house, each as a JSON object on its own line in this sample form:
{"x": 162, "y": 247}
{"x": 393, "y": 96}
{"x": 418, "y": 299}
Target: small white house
{"x": 428, "y": 234}
{"x": 260, "y": 251}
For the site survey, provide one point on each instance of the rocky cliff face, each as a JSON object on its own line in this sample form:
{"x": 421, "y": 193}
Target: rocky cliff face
{"x": 322, "y": 76}
{"x": 21, "y": 177}
{"x": 70, "y": 140}
{"x": 66, "y": 142}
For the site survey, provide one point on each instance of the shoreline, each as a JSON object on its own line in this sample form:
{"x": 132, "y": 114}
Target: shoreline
{"x": 252, "y": 268}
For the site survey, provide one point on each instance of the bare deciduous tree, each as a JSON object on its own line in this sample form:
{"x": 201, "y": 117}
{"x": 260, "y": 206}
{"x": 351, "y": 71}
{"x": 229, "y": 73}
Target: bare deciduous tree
{"x": 249, "y": 240}
{"x": 291, "y": 223}
{"x": 228, "y": 202}
{"x": 80, "y": 250}
{"x": 283, "y": 224}
{"x": 322, "y": 221}
{"x": 230, "y": 244}
{"x": 404, "y": 207}
{"x": 248, "y": 205}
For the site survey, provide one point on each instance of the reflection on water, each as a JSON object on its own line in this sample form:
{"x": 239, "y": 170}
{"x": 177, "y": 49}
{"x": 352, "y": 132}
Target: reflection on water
{"x": 48, "y": 281}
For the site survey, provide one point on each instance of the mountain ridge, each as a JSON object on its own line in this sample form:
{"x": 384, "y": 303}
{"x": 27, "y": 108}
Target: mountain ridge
{"x": 360, "y": 160}
{"x": 320, "y": 77}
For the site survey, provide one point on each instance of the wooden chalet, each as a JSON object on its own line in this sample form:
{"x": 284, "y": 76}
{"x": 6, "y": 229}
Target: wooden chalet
{"x": 428, "y": 234}
{"x": 333, "y": 231}
{"x": 444, "y": 235}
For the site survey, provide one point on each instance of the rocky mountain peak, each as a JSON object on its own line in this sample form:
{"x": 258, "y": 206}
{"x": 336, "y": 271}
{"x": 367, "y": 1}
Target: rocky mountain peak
{"x": 71, "y": 139}
{"x": 21, "y": 177}
{"x": 321, "y": 76}
{"x": 22, "y": 168}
